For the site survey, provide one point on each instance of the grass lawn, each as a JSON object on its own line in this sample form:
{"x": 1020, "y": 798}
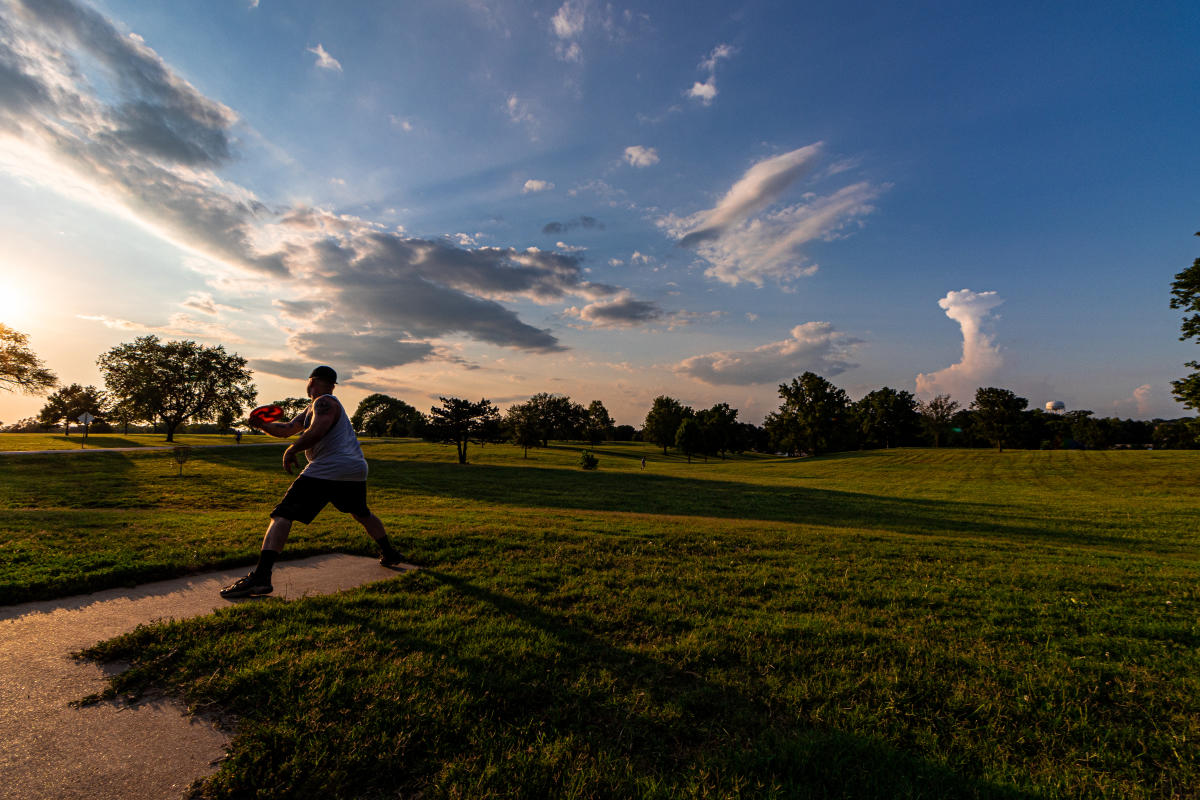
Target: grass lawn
{"x": 11, "y": 442}
{"x": 905, "y": 623}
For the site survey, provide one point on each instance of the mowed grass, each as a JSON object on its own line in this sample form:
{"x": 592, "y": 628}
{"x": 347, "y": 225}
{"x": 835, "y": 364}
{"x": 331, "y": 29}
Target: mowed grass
{"x": 15, "y": 442}
{"x": 906, "y": 623}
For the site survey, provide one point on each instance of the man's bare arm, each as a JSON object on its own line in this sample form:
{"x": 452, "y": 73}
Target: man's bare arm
{"x": 281, "y": 430}
{"x": 325, "y": 413}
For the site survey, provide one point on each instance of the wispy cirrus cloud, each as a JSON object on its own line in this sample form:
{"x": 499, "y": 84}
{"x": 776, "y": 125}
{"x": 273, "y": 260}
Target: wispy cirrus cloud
{"x": 981, "y": 357}
{"x": 324, "y": 60}
{"x": 813, "y": 346}
{"x": 750, "y": 236}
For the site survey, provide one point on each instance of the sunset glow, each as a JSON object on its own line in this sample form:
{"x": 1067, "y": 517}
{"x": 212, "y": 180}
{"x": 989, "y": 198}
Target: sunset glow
{"x": 497, "y": 199}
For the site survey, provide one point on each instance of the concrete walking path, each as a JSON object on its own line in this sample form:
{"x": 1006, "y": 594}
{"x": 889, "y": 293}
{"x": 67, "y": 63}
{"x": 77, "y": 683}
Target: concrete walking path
{"x": 50, "y": 749}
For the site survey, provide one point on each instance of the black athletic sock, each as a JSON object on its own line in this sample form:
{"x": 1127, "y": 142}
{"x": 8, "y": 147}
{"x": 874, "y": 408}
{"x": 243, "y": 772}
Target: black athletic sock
{"x": 266, "y": 561}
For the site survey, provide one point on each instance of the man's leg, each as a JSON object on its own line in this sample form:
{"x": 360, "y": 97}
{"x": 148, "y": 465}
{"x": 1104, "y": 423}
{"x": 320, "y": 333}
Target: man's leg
{"x": 373, "y": 525}
{"x": 259, "y": 580}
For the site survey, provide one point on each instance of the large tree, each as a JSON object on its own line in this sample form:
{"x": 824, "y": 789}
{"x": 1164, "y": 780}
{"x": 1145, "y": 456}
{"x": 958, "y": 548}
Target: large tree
{"x": 887, "y": 417}
{"x": 523, "y": 426}
{"x": 812, "y": 418}
{"x": 689, "y": 438}
{"x": 719, "y": 426}
{"x": 177, "y": 381}
{"x": 937, "y": 416}
{"x": 999, "y": 414}
{"x": 598, "y": 425}
{"x": 462, "y": 421}
{"x": 558, "y": 416}
{"x": 663, "y": 420}
{"x": 381, "y": 415}
{"x": 20, "y": 368}
{"x": 1185, "y": 294}
{"x": 65, "y": 406}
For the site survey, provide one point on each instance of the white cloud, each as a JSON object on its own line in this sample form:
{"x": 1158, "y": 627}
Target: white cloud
{"x": 568, "y": 21}
{"x": 813, "y": 347}
{"x": 520, "y": 113}
{"x": 401, "y": 123}
{"x": 706, "y": 91}
{"x": 532, "y": 185}
{"x": 743, "y": 241}
{"x": 205, "y": 304}
{"x": 981, "y": 357}
{"x": 324, "y": 60}
{"x": 640, "y": 156}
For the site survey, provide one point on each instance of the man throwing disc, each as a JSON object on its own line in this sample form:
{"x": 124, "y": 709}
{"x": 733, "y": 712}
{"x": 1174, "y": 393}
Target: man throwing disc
{"x": 336, "y": 473}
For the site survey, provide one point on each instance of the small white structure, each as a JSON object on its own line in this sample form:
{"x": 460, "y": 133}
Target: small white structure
{"x": 1055, "y": 406}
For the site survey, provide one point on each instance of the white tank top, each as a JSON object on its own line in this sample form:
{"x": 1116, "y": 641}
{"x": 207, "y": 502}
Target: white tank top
{"x": 337, "y": 457}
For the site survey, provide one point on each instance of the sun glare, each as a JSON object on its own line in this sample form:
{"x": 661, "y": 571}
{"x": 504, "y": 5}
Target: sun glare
{"x": 14, "y": 305}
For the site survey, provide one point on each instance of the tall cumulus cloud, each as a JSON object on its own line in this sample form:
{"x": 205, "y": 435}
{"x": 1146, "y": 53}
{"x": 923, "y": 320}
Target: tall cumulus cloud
{"x": 981, "y": 357}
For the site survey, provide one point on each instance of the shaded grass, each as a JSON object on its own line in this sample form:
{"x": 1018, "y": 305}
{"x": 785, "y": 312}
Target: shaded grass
{"x": 892, "y": 624}
{"x": 15, "y": 442}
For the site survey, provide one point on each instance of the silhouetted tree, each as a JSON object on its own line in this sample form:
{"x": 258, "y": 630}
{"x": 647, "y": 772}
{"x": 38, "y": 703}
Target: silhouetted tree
{"x": 381, "y": 415}
{"x": 599, "y": 424}
{"x": 998, "y": 414}
{"x": 176, "y": 381}
{"x": 937, "y": 416}
{"x": 461, "y": 421}
{"x": 1185, "y": 294}
{"x": 66, "y": 405}
{"x": 20, "y": 368}
{"x": 812, "y": 418}
{"x": 663, "y": 420}
{"x": 887, "y": 417}
{"x": 689, "y": 438}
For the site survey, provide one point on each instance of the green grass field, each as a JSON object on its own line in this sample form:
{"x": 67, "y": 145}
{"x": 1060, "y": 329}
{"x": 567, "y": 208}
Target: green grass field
{"x": 905, "y": 623}
{"x": 12, "y": 442}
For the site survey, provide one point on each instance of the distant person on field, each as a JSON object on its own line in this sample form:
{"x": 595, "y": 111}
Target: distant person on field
{"x": 336, "y": 473}
{"x": 643, "y": 462}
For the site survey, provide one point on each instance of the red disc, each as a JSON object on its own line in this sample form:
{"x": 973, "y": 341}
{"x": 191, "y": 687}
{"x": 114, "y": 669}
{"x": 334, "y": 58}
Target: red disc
{"x": 267, "y": 414}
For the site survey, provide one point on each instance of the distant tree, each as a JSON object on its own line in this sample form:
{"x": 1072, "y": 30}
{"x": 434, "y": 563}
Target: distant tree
{"x": 559, "y": 417}
{"x": 689, "y": 438}
{"x": 624, "y": 433}
{"x": 26, "y": 425}
{"x": 599, "y": 425}
{"x": 998, "y": 414}
{"x": 1177, "y": 434}
{"x": 381, "y": 415}
{"x": 176, "y": 381}
{"x": 887, "y": 417}
{"x": 719, "y": 428}
{"x": 293, "y": 406}
{"x": 663, "y": 420}
{"x": 523, "y": 424}
{"x": 937, "y": 416}
{"x": 66, "y": 405}
{"x": 812, "y": 418}
{"x": 461, "y": 422}
{"x": 123, "y": 414}
{"x": 20, "y": 369}
{"x": 1185, "y": 294}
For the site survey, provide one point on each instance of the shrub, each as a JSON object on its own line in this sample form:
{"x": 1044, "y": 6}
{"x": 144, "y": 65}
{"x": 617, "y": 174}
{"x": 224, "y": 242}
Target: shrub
{"x": 588, "y": 461}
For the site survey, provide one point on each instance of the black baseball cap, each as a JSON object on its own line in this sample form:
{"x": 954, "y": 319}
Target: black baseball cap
{"x": 324, "y": 374}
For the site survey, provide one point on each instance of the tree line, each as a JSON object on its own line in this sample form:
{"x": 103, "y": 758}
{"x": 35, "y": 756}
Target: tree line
{"x": 176, "y": 383}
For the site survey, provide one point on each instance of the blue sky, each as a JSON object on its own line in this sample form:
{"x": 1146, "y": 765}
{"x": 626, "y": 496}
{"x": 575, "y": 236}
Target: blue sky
{"x": 610, "y": 201}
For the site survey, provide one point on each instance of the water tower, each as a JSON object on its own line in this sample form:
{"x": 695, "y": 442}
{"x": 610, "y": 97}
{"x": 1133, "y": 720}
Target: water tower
{"x": 1055, "y": 406}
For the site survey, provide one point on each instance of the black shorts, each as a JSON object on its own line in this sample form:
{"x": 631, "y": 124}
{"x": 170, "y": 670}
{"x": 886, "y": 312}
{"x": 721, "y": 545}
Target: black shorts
{"x": 307, "y": 496}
